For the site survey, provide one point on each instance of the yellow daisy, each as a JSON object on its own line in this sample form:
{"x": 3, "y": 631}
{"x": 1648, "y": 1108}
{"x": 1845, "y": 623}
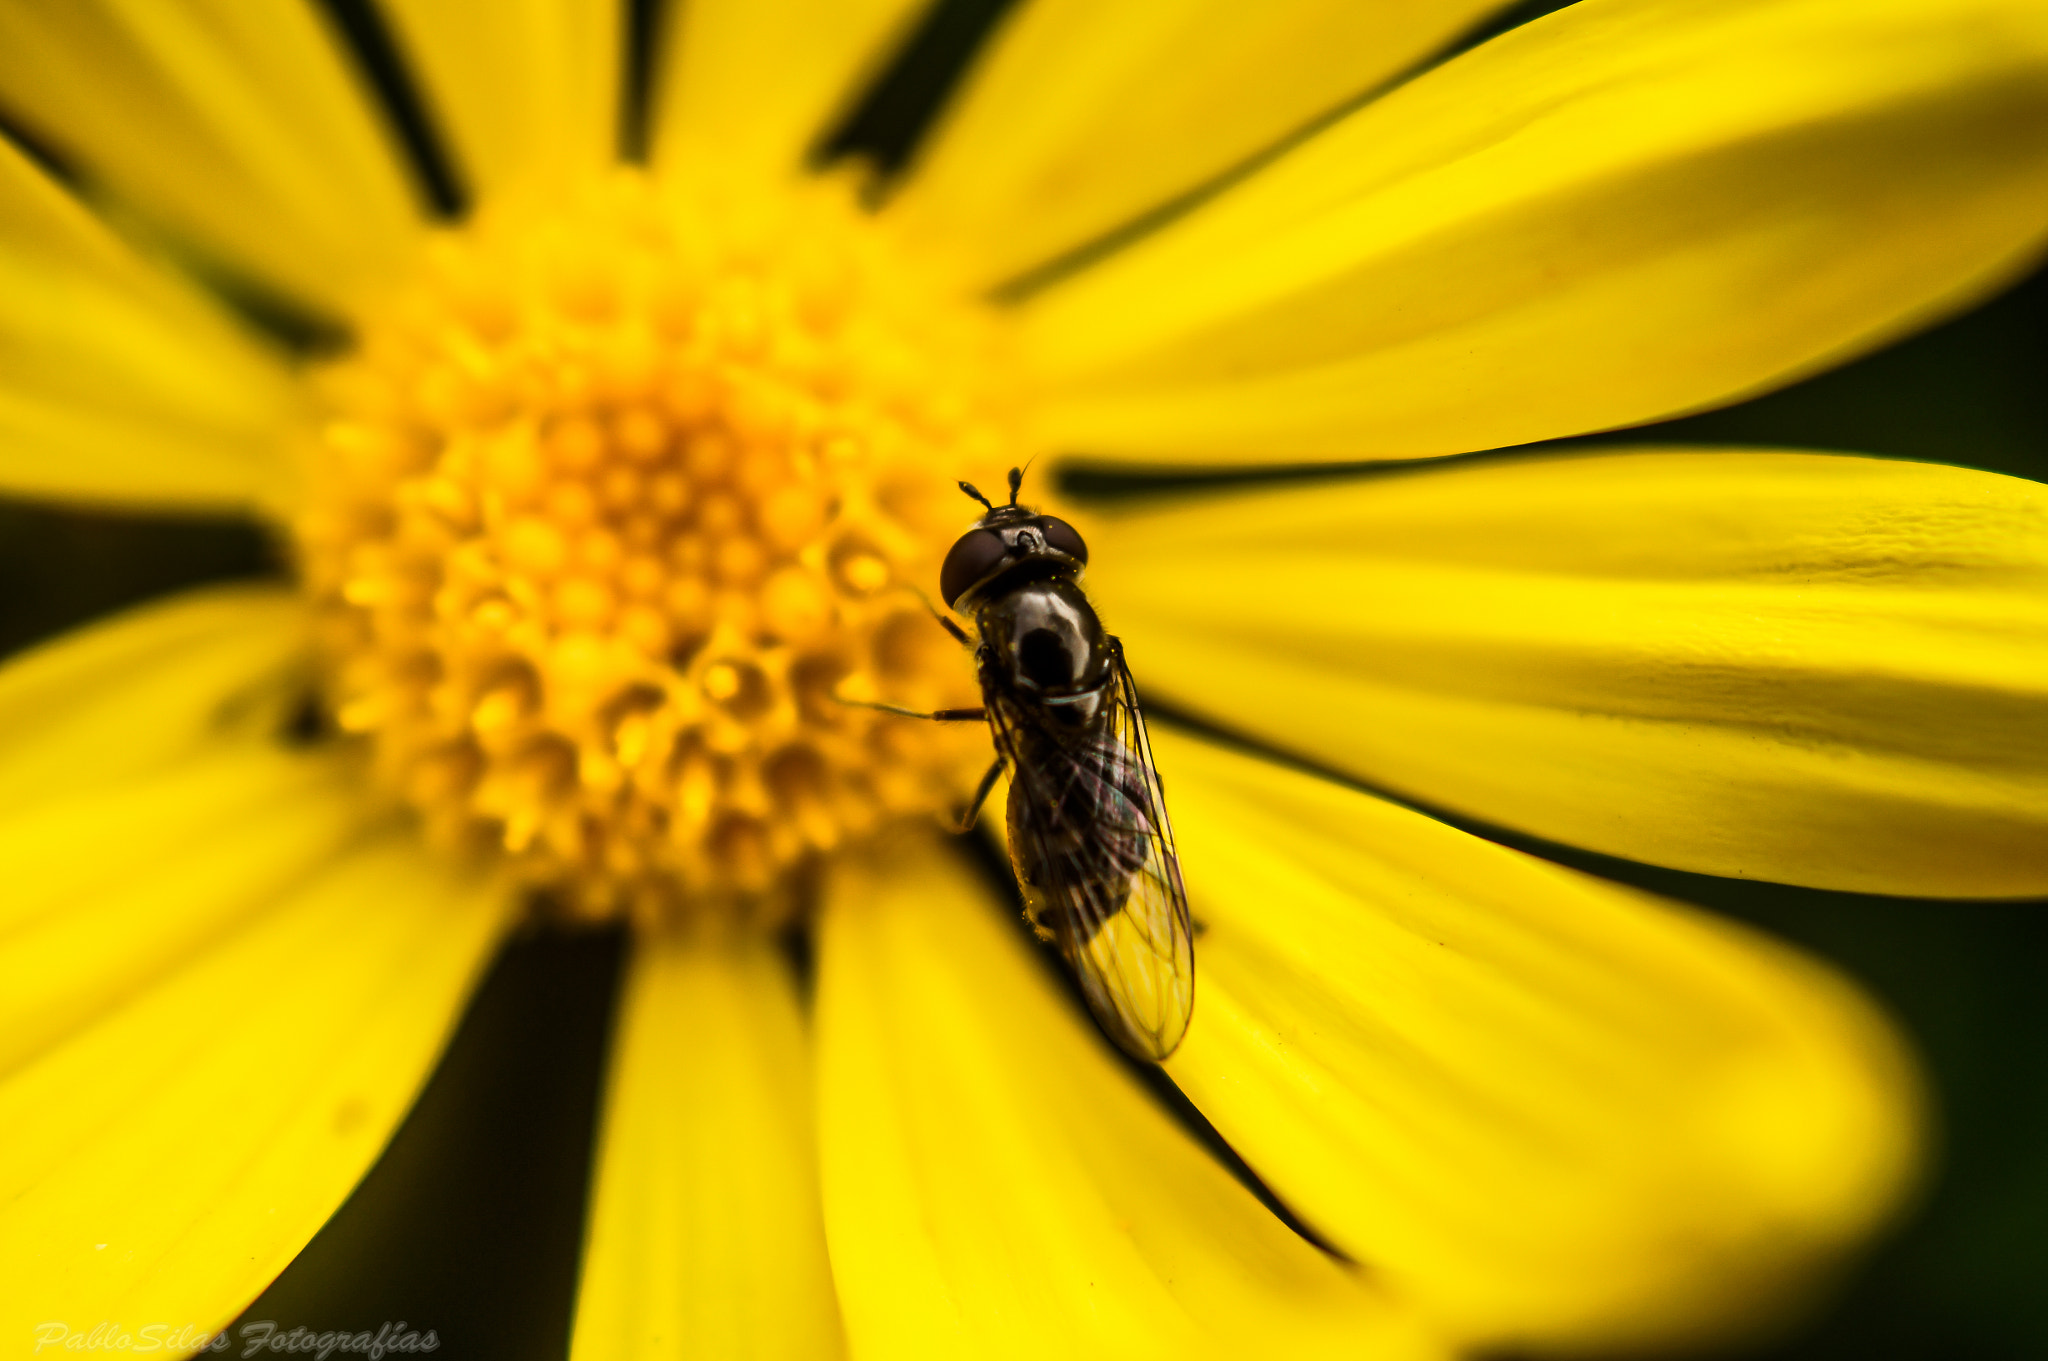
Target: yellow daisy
{"x": 630, "y": 482}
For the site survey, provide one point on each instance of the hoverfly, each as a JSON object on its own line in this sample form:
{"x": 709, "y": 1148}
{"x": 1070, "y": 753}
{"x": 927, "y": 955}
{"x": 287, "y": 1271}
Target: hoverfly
{"x": 1089, "y": 838}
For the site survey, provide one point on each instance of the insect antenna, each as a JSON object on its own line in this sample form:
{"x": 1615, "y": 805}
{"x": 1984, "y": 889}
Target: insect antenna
{"x": 968, "y": 487}
{"x": 1016, "y": 481}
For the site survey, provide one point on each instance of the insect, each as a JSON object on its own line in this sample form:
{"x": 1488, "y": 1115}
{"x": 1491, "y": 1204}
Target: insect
{"x": 1089, "y": 838}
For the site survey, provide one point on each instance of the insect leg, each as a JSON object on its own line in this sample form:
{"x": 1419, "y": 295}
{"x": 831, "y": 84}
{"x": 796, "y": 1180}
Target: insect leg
{"x": 936, "y": 715}
{"x": 959, "y": 634}
{"x": 981, "y": 793}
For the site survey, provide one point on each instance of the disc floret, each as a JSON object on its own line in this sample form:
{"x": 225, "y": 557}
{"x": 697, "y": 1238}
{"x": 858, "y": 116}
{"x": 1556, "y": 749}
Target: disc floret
{"x": 617, "y": 506}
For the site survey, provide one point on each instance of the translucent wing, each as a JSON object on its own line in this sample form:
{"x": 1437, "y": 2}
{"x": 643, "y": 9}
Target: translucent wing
{"x": 1094, "y": 856}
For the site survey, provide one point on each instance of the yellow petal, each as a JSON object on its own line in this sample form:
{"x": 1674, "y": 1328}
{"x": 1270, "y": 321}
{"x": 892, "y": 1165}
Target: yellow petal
{"x": 117, "y": 382}
{"x": 1807, "y": 668}
{"x": 705, "y": 1237}
{"x": 996, "y": 1184}
{"x": 111, "y": 888}
{"x": 1549, "y": 1109}
{"x": 746, "y": 87}
{"x": 166, "y": 1162}
{"x": 1623, "y": 210}
{"x": 528, "y": 90}
{"x": 135, "y": 694}
{"x": 238, "y": 125}
{"x": 1047, "y": 148}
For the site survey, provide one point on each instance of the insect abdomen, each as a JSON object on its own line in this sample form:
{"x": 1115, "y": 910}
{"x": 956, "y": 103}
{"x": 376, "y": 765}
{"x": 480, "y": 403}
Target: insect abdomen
{"x": 1097, "y": 830}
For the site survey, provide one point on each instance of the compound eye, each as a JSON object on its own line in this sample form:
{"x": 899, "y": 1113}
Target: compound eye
{"x": 973, "y": 557}
{"x": 1062, "y": 536}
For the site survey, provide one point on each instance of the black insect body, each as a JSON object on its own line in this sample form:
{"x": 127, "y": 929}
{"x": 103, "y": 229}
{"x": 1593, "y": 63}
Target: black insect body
{"x": 1089, "y": 838}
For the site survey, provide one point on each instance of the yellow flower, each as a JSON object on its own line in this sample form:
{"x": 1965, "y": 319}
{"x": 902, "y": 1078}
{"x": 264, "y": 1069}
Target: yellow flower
{"x": 631, "y": 481}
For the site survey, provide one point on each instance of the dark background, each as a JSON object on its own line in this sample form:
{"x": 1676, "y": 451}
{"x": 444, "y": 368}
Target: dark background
{"x": 470, "y": 1223}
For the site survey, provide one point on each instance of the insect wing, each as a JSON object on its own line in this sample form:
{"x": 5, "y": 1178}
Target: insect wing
{"x": 1139, "y": 966}
{"x": 1095, "y": 859}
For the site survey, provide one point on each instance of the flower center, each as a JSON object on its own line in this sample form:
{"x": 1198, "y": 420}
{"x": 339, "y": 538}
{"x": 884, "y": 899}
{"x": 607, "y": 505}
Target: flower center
{"x": 618, "y": 506}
